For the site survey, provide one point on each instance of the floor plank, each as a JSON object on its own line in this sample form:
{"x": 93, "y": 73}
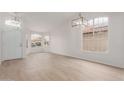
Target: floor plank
{"x": 45, "y": 66}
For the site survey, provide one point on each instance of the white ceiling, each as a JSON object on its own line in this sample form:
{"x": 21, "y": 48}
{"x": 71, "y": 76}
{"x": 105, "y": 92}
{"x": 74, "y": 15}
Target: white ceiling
{"x": 44, "y": 21}
{"x": 48, "y": 21}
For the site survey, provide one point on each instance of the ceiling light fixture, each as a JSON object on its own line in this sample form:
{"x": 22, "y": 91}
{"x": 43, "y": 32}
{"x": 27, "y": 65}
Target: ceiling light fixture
{"x": 79, "y": 21}
{"x": 15, "y": 22}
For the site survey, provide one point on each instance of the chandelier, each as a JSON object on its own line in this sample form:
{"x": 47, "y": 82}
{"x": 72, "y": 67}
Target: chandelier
{"x": 79, "y": 21}
{"x": 13, "y": 21}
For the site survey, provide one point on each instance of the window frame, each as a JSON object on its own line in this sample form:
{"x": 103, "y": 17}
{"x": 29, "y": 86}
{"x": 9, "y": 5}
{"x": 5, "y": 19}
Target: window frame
{"x": 90, "y": 51}
{"x": 43, "y": 34}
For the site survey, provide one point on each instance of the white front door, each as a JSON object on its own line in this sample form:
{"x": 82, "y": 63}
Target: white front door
{"x": 11, "y": 44}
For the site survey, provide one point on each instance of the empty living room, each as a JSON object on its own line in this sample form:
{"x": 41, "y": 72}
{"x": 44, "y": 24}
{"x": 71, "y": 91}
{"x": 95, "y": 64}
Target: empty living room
{"x": 61, "y": 46}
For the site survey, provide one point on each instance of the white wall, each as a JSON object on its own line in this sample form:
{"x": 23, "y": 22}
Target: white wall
{"x": 0, "y": 47}
{"x": 2, "y": 19}
{"x": 1, "y": 25}
{"x": 67, "y": 41}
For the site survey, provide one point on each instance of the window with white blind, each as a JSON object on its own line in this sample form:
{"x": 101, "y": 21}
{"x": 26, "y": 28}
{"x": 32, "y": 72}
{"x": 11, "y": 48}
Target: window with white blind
{"x": 95, "y": 35}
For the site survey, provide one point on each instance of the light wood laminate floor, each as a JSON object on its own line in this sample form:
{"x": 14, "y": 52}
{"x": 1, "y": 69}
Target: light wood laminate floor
{"x": 45, "y": 66}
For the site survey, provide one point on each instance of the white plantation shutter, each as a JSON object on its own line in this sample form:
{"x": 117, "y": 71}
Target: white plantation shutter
{"x": 95, "y": 36}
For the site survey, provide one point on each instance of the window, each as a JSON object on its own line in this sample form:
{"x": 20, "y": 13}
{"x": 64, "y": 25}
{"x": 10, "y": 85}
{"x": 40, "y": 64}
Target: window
{"x": 36, "y": 40}
{"x": 40, "y": 40}
{"x": 95, "y": 35}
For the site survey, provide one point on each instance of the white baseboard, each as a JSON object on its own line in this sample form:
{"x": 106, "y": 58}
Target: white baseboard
{"x": 94, "y": 61}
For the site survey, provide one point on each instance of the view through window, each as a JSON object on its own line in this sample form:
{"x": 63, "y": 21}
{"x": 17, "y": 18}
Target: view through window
{"x": 95, "y": 35}
{"x": 36, "y": 40}
{"x": 39, "y": 40}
